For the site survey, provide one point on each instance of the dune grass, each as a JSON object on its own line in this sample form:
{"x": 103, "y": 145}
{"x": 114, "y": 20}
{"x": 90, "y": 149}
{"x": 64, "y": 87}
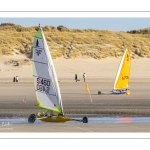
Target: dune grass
{"x": 72, "y": 43}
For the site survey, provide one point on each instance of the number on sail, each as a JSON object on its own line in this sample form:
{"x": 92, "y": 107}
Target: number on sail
{"x": 43, "y": 85}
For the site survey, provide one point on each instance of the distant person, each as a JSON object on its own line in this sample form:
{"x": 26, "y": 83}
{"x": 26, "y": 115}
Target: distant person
{"x": 17, "y": 79}
{"x": 84, "y": 76}
{"x": 76, "y": 77}
{"x": 14, "y": 79}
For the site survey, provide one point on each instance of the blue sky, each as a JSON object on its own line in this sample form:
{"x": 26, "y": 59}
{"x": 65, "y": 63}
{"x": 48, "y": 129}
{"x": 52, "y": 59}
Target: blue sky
{"x": 117, "y": 24}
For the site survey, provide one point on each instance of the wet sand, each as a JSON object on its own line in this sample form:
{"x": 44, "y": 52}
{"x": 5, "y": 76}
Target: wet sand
{"x": 76, "y": 101}
{"x": 77, "y": 127}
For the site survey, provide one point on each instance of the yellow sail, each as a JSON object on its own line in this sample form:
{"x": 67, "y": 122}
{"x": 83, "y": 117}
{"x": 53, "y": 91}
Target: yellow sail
{"x": 123, "y": 74}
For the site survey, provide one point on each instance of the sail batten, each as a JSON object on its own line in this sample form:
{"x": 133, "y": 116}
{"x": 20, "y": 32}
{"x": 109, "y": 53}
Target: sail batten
{"x": 40, "y": 62}
{"x": 45, "y": 79}
{"x": 40, "y": 77}
{"x": 38, "y": 48}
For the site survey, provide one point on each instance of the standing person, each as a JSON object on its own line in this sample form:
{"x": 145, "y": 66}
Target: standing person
{"x": 84, "y": 76}
{"x": 76, "y": 77}
{"x": 17, "y": 79}
{"x": 14, "y": 79}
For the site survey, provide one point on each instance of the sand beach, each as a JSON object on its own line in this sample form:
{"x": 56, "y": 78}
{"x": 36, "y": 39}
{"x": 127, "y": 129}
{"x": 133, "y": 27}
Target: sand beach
{"x": 66, "y": 69}
{"x": 76, "y": 101}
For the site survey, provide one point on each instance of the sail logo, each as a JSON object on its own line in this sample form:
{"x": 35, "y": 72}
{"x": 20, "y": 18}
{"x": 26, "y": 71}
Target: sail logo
{"x": 38, "y": 52}
{"x": 125, "y": 77}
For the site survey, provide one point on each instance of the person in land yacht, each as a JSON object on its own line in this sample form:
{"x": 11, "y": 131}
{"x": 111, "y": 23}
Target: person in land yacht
{"x": 120, "y": 91}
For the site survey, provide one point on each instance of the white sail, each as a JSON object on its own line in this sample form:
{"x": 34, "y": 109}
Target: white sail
{"x": 45, "y": 78}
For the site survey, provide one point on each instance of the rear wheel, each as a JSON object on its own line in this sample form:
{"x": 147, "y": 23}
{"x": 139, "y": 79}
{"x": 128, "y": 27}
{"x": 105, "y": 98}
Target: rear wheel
{"x": 85, "y": 120}
{"x": 32, "y": 118}
{"x": 99, "y": 92}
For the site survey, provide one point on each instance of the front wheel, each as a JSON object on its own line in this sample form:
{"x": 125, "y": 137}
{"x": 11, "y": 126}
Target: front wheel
{"x": 85, "y": 120}
{"x": 32, "y": 118}
{"x": 128, "y": 92}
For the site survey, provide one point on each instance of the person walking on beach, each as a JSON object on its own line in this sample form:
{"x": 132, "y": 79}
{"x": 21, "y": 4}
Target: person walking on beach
{"x": 84, "y": 76}
{"x": 76, "y": 77}
{"x": 17, "y": 79}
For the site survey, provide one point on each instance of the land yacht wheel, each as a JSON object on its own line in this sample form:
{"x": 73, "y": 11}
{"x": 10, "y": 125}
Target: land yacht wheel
{"x": 99, "y": 92}
{"x": 85, "y": 120}
{"x": 128, "y": 92}
{"x": 32, "y": 118}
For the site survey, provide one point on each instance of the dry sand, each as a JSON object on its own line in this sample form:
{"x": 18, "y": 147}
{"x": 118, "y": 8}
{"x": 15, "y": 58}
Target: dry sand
{"x": 67, "y": 68}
